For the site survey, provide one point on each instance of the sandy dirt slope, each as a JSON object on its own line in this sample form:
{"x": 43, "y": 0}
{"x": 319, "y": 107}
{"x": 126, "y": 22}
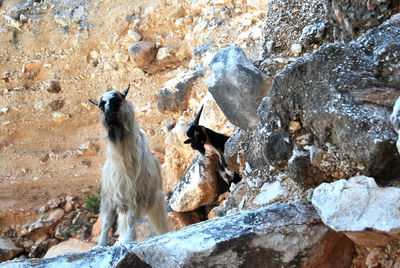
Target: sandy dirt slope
{"x": 39, "y": 157}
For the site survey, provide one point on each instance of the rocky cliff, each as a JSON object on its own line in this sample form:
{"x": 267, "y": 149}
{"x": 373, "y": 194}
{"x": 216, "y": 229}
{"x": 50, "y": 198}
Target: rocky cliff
{"x": 306, "y": 90}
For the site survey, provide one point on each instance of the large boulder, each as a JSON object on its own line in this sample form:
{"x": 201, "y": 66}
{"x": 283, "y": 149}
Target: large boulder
{"x": 280, "y": 235}
{"x": 237, "y": 86}
{"x": 198, "y": 186}
{"x": 336, "y": 105}
{"x": 369, "y": 215}
{"x": 355, "y": 205}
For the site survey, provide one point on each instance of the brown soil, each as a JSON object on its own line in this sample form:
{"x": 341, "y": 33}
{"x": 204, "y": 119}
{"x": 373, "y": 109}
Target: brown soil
{"x": 28, "y": 133}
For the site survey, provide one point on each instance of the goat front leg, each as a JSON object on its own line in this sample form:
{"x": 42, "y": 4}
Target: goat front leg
{"x": 132, "y": 216}
{"x": 108, "y": 220}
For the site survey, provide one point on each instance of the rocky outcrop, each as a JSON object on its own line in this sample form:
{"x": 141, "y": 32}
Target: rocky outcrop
{"x": 340, "y": 98}
{"x": 292, "y": 29}
{"x": 280, "y": 235}
{"x": 237, "y": 86}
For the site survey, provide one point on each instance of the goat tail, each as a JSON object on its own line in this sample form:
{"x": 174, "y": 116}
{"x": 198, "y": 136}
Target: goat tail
{"x": 158, "y": 214}
{"x": 122, "y": 228}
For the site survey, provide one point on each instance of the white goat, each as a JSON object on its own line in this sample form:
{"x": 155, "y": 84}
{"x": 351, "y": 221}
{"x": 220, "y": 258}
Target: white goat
{"x": 131, "y": 178}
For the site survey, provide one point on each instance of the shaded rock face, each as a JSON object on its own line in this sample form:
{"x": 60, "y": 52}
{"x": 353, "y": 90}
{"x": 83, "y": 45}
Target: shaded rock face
{"x": 280, "y": 235}
{"x": 341, "y": 96}
{"x": 237, "y": 86}
{"x": 352, "y": 18}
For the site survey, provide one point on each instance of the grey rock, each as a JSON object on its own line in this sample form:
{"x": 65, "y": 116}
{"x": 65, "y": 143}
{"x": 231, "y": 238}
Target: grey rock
{"x": 47, "y": 220}
{"x": 277, "y": 147}
{"x": 103, "y": 257}
{"x": 143, "y": 53}
{"x": 175, "y": 93}
{"x": 313, "y": 33}
{"x": 342, "y": 96}
{"x": 280, "y": 235}
{"x": 352, "y": 18}
{"x": 297, "y": 165}
{"x": 395, "y": 120}
{"x": 237, "y": 86}
{"x": 285, "y": 23}
{"x": 395, "y": 116}
{"x": 202, "y": 49}
{"x": 358, "y": 203}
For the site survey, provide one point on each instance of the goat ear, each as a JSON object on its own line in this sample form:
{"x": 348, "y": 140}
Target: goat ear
{"x": 187, "y": 141}
{"x": 125, "y": 92}
{"x": 95, "y": 102}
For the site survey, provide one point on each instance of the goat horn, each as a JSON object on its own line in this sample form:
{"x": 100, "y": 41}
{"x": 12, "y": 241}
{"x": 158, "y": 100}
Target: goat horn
{"x": 197, "y": 119}
{"x": 94, "y": 102}
{"x": 125, "y": 92}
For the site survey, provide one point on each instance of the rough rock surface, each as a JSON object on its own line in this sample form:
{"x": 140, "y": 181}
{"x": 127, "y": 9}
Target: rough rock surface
{"x": 352, "y": 18}
{"x": 356, "y": 204}
{"x": 395, "y": 120}
{"x": 341, "y": 96}
{"x": 237, "y": 86}
{"x": 8, "y": 250}
{"x": 143, "y": 53}
{"x": 280, "y": 235}
{"x": 198, "y": 185}
{"x": 285, "y": 23}
{"x": 174, "y": 94}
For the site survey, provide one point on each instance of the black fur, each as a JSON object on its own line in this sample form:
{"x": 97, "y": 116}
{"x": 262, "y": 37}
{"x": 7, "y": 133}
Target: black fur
{"x": 198, "y": 137}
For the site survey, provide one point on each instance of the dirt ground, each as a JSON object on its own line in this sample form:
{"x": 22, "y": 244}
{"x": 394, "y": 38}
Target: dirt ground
{"x": 39, "y": 156}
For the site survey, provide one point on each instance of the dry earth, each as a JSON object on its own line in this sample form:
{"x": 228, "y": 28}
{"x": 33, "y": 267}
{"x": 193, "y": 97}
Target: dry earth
{"x": 39, "y": 147}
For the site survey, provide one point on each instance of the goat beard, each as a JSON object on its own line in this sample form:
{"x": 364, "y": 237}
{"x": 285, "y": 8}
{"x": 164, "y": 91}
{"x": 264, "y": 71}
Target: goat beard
{"x": 116, "y": 133}
{"x": 114, "y": 129}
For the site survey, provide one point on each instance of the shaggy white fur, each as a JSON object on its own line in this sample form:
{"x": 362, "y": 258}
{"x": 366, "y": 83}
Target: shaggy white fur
{"x": 131, "y": 177}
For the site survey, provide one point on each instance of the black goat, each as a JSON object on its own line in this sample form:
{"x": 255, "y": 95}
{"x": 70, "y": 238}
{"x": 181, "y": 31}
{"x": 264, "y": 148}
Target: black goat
{"x": 198, "y": 137}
